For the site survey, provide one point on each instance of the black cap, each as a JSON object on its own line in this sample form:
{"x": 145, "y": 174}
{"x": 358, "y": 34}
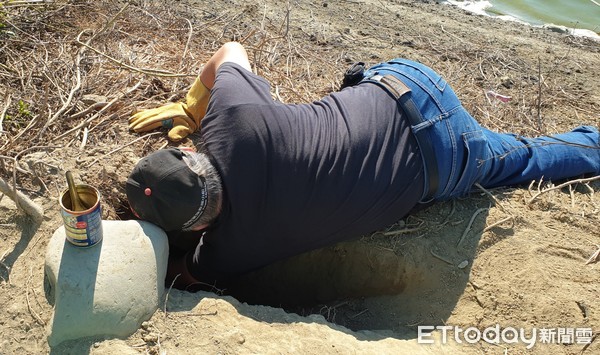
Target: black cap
{"x": 162, "y": 189}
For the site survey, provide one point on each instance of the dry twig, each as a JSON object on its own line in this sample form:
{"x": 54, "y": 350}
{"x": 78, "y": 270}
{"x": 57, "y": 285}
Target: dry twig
{"x": 35, "y": 316}
{"x": 67, "y": 103}
{"x": 121, "y": 147}
{"x": 437, "y": 256}
{"x": 595, "y": 257}
{"x": 405, "y": 230}
{"x": 2, "y": 115}
{"x": 168, "y": 292}
{"x": 468, "y": 229}
{"x": 105, "y": 108}
{"x": 29, "y": 207}
{"x": 557, "y": 187}
{"x": 497, "y": 203}
{"x": 151, "y": 72}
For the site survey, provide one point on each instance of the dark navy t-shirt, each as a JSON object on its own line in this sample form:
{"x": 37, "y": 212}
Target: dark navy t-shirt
{"x": 300, "y": 177}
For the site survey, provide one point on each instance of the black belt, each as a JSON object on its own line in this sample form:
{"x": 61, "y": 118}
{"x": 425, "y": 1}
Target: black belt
{"x": 399, "y": 90}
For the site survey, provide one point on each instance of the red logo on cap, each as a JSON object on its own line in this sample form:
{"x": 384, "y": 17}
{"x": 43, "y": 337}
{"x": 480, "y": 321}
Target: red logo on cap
{"x": 147, "y": 191}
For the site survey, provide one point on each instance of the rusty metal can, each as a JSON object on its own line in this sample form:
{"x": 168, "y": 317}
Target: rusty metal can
{"x": 82, "y": 228}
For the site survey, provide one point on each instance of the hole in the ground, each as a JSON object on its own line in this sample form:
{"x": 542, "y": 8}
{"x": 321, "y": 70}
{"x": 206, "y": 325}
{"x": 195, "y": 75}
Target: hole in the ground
{"x": 356, "y": 284}
{"x": 123, "y": 211}
{"x": 325, "y": 275}
{"x": 388, "y": 283}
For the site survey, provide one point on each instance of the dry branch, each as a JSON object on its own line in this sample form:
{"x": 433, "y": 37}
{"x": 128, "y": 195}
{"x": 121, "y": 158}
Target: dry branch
{"x": 568, "y": 183}
{"x": 468, "y": 229}
{"x": 35, "y": 316}
{"x": 105, "y": 108}
{"x": 121, "y": 147}
{"x": 67, "y": 103}
{"x": 437, "y": 256}
{"x": 510, "y": 217}
{"x": 29, "y": 207}
{"x": 152, "y": 72}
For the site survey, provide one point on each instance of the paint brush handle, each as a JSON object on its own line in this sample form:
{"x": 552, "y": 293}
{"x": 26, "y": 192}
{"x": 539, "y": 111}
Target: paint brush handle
{"x": 76, "y": 204}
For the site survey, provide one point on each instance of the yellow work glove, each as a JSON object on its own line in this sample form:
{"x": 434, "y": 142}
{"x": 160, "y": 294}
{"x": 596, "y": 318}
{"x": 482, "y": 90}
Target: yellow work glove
{"x": 181, "y": 118}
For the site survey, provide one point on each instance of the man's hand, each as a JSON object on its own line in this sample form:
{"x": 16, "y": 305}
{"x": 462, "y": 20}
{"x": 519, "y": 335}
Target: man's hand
{"x": 171, "y": 116}
{"x": 181, "y": 118}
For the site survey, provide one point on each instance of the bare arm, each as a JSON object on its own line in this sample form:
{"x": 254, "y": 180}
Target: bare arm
{"x": 229, "y": 52}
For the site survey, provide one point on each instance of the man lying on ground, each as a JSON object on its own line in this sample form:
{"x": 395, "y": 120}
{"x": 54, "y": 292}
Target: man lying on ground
{"x": 271, "y": 180}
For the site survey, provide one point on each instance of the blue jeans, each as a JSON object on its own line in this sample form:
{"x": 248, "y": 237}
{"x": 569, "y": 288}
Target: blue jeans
{"x": 467, "y": 153}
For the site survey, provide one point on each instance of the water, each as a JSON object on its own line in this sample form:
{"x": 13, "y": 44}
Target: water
{"x": 581, "y": 14}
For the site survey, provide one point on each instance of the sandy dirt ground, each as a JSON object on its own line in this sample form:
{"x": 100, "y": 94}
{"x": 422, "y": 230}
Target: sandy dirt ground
{"x": 512, "y": 257}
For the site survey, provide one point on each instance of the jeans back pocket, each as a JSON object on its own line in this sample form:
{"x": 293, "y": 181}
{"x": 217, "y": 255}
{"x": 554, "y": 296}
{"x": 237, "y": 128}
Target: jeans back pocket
{"x": 475, "y": 163}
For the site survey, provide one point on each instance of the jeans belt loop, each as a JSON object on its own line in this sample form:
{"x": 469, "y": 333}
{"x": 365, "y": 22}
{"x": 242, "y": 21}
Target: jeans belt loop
{"x": 402, "y": 94}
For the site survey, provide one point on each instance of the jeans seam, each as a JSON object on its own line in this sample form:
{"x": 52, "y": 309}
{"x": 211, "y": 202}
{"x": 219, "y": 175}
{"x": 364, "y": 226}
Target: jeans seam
{"x": 430, "y": 122}
{"x": 425, "y": 89}
{"x": 454, "y": 156}
{"x": 413, "y": 79}
{"x": 411, "y": 65}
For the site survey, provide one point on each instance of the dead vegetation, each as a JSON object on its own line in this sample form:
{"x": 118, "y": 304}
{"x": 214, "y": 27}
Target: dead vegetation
{"x": 72, "y": 72}
{"x": 71, "y": 80}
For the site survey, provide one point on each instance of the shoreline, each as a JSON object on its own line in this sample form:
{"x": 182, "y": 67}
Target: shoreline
{"x": 480, "y": 8}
